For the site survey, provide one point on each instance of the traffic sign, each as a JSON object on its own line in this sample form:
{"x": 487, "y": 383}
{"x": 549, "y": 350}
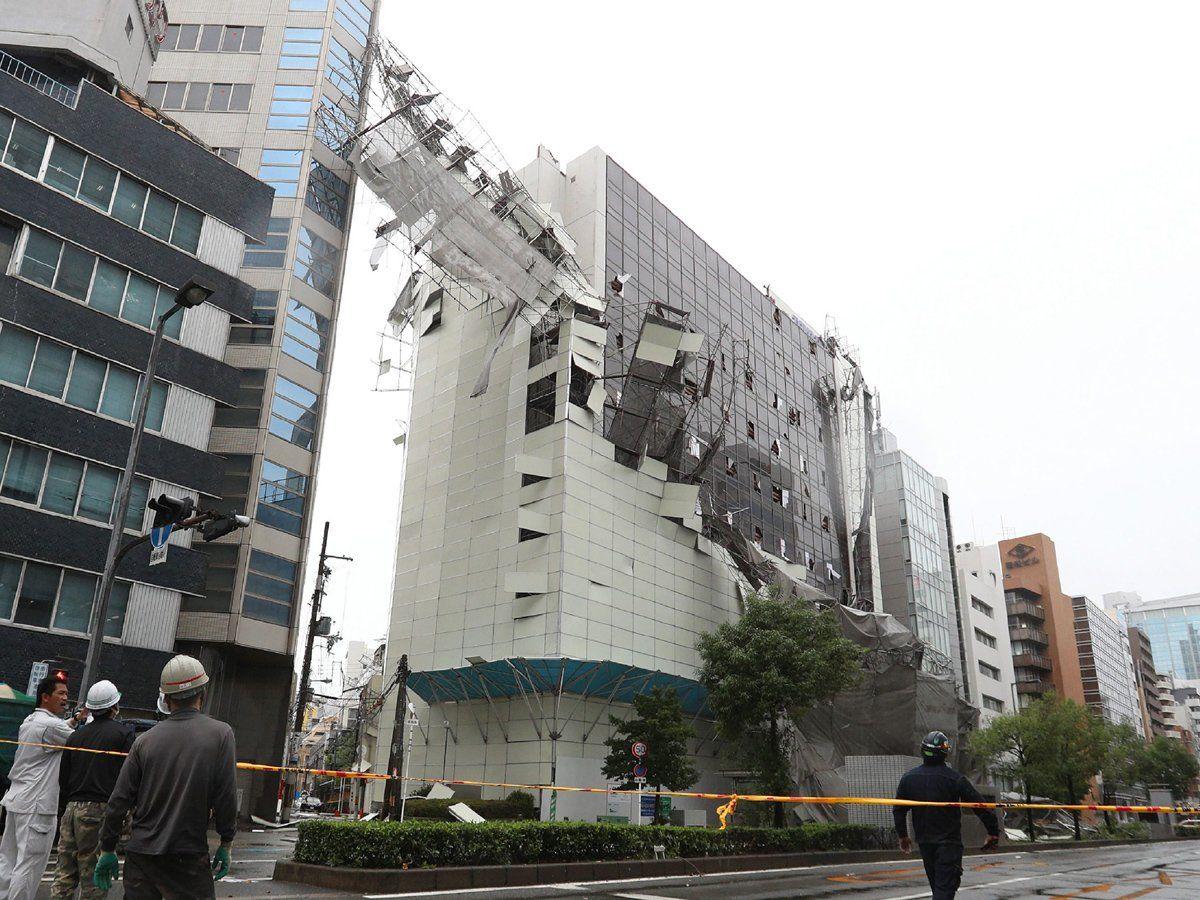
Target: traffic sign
{"x": 639, "y": 749}
{"x": 158, "y": 544}
{"x": 640, "y": 771}
{"x": 37, "y": 672}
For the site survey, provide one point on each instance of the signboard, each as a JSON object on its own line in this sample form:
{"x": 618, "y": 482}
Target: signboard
{"x": 159, "y": 545}
{"x": 37, "y": 672}
{"x": 639, "y": 749}
{"x": 640, "y": 771}
{"x": 648, "y": 807}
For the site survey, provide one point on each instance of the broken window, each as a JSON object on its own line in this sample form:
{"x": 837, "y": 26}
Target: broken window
{"x": 783, "y": 548}
{"x": 793, "y": 416}
{"x": 527, "y": 479}
{"x": 722, "y": 361}
{"x": 778, "y": 317}
{"x": 525, "y": 534}
{"x": 775, "y": 447}
{"x": 693, "y": 446}
{"x": 750, "y": 430}
{"x": 542, "y": 346}
{"x": 728, "y": 518}
{"x": 758, "y": 537}
{"x": 812, "y": 347}
{"x": 775, "y": 401}
{"x": 824, "y": 523}
{"x": 620, "y": 341}
{"x": 785, "y": 497}
{"x": 787, "y": 370}
{"x": 539, "y": 404}
{"x": 581, "y": 386}
{"x": 777, "y": 494}
{"x": 754, "y": 483}
{"x": 749, "y": 380}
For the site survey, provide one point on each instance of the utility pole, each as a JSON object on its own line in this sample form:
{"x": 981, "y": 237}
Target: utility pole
{"x": 323, "y": 572}
{"x": 393, "y": 791}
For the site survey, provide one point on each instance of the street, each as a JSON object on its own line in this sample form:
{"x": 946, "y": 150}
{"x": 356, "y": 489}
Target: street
{"x": 1168, "y": 871}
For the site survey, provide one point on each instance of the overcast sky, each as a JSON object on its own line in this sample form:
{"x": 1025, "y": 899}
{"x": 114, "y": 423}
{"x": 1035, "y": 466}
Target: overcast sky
{"x": 1000, "y": 204}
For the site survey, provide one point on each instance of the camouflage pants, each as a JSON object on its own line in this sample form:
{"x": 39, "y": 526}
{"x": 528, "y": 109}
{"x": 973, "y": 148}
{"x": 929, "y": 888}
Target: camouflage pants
{"x": 78, "y": 848}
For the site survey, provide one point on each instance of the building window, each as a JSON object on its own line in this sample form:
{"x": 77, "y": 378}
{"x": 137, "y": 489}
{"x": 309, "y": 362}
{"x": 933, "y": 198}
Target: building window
{"x": 316, "y": 262}
{"x": 65, "y": 484}
{"x": 355, "y": 17}
{"x": 990, "y": 671}
{"x": 334, "y": 126}
{"x": 301, "y": 48}
{"x": 262, "y": 317}
{"x": 83, "y": 380}
{"x": 290, "y": 107}
{"x": 55, "y": 598}
{"x": 271, "y": 253}
{"x": 270, "y": 588}
{"x": 345, "y": 72}
{"x": 235, "y": 479}
{"x": 281, "y": 494}
{"x": 309, "y": 5}
{"x": 750, "y": 430}
{"x": 328, "y": 195}
{"x": 214, "y": 38}
{"x": 247, "y": 407}
{"x": 543, "y": 345}
{"x": 293, "y": 413}
{"x": 305, "y": 335}
{"x": 78, "y": 274}
{"x": 199, "y": 95}
{"x": 539, "y": 403}
{"x": 984, "y": 638}
{"x": 992, "y": 703}
{"x": 979, "y": 606}
{"x": 281, "y": 170}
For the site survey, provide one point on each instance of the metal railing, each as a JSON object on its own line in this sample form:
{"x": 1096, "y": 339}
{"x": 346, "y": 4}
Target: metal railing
{"x": 55, "y": 90}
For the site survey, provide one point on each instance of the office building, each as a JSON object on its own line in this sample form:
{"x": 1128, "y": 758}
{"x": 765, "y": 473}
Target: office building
{"x": 1041, "y": 620}
{"x": 277, "y": 86}
{"x": 1117, "y": 602}
{"x": 1153, "y": 723}
{"x": 987, "y": 650}
{"x": 1173, "y": 627}
{"x": 565, "y": 540}
{"x": 107, "y": 209}
{"x": 915, "y": 567}
{"x": 1177, "y": 714}
{"x": 1106, "y": 666}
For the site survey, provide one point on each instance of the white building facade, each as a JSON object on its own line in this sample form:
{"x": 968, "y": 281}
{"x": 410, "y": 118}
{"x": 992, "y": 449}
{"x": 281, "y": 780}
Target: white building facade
{"x": 986, "y": 646}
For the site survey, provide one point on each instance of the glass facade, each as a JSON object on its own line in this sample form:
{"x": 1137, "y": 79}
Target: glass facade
{"x": 772, "y": 466}
{"x": 1174, "y": 634}
{"x": 1105, "y": 665}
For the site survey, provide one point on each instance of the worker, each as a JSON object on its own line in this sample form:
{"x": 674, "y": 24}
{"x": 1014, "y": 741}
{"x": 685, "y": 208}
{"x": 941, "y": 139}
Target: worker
{"x": 178, "y": 775}
{"x": 939, "y": 828}
{"x": 86, "y": 781}
{"x": 32, "y": 800}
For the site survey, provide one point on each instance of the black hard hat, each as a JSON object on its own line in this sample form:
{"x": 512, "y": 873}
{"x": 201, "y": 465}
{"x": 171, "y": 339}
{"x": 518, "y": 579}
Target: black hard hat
{"x": 935, "y": 745}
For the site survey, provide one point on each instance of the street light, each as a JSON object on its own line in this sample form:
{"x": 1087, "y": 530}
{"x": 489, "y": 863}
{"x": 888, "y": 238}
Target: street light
{"x": 190, "y": 295}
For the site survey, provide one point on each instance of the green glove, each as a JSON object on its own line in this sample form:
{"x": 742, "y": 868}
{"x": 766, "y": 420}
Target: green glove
{"x": 107, "y": 868}
{"x": 220, "y": 863}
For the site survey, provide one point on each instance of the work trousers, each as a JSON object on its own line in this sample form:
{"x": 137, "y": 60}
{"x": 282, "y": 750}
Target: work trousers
{"x": 24, "y": 852}
{"x": 78, "y": 849}
{"x": 171, "y": 876}
{"x": 943, "y": 868}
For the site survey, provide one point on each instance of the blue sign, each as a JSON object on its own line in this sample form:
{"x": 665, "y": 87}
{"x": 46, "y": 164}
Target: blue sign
{"x": 158, "y": 544}
{"x": 640, "y": 770}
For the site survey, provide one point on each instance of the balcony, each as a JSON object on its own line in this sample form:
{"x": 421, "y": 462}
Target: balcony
{"x": 44, "y": 83}
{"x": 1025, "y": 608}
{"x": 1029, "y": 634}
{"x": 1034, "y": 687}
{"x": 1032, "y": 661}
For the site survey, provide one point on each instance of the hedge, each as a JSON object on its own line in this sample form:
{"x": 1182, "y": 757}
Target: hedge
{"x": 517, "y": 805}
{"x": 394, "y": 845}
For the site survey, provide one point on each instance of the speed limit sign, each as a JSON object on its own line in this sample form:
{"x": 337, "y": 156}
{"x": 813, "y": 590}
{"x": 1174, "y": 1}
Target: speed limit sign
{"x": 639, "y": 749}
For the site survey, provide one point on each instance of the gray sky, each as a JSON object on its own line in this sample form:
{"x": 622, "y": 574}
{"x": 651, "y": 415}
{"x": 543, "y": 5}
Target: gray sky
{"x": 999, "y": 205}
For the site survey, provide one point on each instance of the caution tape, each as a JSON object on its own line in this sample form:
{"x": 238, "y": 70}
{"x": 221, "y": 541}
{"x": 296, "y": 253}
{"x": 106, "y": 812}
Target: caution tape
{"x": 731, "y": 800}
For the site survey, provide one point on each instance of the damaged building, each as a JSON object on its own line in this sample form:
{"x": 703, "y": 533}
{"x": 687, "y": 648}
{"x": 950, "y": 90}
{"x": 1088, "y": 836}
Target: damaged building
{"x": 614, "y": 436}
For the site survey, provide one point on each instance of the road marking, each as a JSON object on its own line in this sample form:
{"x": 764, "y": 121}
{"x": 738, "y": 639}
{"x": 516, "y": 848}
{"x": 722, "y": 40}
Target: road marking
{"x": 642, "y": 897}
{"x": 882, "y": 875}
{"x": 480, "y": 890}
{"x": 1140, "y": 893}
{"x": 1164, "y": 877}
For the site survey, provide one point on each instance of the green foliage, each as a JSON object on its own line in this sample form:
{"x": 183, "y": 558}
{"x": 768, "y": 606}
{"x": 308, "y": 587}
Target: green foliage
{"x": 767, "y": 669}
{"x": 516, "y": 806}
{"x": 343, "y": 751}
{"x": 1124, "y": 831}
{"x": 1166, "y": 761}
{"x": 1187, "y": 831}
{"x": 1123, "y": 757}
{"x": 393, "y": 845}
{"x": 658, "y": 721}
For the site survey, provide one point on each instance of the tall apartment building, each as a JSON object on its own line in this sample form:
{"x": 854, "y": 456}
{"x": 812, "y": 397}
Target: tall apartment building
{"x": 107, "y": 209}
{"x": 554, "y": 557}
{"x": 1106, "y": 665}
{"x": 1153, "y": 723}
{"x": 277, "y": 85}
{"x": 1173, "y": 627}
{"x": 1041, "y": 620}
{"x": 915, "y": 567}
{"x": 987, "y": 651}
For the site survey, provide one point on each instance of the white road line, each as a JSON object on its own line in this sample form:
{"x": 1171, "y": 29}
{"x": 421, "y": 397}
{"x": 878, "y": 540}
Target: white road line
{"x": 976, "y": 887}
{"x": 642, "y": 897}
{"x": 478, "y": 890}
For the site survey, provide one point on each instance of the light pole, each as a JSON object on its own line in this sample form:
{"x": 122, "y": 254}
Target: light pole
{"x": 191, "y": 294}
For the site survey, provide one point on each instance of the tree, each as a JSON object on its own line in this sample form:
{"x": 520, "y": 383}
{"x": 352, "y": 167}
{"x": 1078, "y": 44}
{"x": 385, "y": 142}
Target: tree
{"x": 1068, "y": 745}
{"x": 658, "y": 722}
{"x": 1123, "y": 756}
{"x": 1005, "y": 747}
{"x": 1168, "y": 762}
{"x": 765, "y": 671}
{"x": 343, "y": 751}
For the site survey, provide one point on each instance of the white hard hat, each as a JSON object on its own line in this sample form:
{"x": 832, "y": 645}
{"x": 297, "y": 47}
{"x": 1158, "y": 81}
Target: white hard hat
{"x": 102, "y": 695}
{"x": 182, "y": 677}
{"x": 162, "y": 704}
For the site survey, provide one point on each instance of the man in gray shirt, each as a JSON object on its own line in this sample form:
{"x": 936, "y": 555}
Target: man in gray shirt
{"x": 178, "y": 774}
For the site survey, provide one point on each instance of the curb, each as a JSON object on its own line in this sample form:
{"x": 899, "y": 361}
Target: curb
{"x": 375, "y": 881}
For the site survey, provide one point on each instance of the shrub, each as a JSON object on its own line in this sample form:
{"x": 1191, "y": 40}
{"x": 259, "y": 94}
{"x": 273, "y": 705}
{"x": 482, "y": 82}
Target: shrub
{"x": 393, "y": 845}
{"x": 1187, "y": 831}
{"x": 1124, "y": 831}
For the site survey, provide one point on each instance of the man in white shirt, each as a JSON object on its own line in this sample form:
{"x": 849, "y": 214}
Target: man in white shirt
{"x": 32, "y": 801}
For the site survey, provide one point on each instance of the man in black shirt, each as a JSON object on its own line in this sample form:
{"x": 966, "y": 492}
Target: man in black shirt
{"x": 939, "y": 828}
{"x": 86, "y": 780}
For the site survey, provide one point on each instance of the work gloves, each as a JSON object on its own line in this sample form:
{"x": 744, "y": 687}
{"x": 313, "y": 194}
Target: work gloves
{"x": 220, "y": 862}
{"x": 107, "y": 868}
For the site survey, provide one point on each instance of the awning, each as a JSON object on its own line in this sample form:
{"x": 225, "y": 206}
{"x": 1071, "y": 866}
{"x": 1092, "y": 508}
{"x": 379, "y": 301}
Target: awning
{"x": 556, "y": 676}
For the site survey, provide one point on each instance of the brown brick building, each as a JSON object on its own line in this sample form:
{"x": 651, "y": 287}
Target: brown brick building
{"x": 1154, "y": 722}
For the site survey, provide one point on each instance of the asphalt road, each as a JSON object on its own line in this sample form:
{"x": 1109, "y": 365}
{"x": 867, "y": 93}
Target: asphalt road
{"x": 1161, "y": 871}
